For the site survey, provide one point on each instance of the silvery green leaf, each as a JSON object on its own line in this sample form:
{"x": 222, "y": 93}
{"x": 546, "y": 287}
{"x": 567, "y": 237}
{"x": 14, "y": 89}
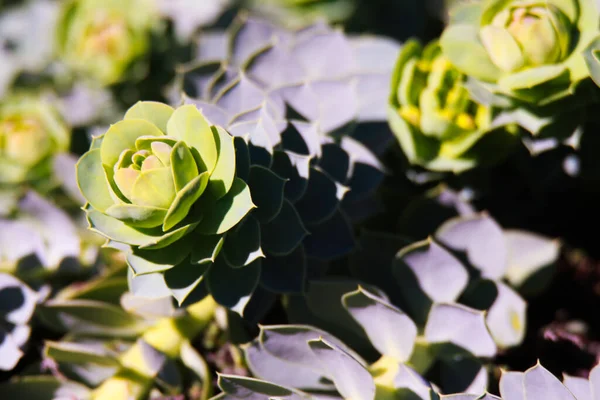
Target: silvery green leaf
{"x": 351, "y": 379}
{"x": 408, "y": 379}
{"x": 284, "y": 371}
{"x": 85, "y": 105}
{"x": 18, "y": 300}
{"x": 81, "y": 353}
{"x": 64, "y": 172}
{"x": 17, "y": 304}
{"x": 46, "y": 219}
{"x": 580, "y": 387}
{"x": 374, "y": 57}
{"x": 160, "y": 307}
{"x": 44, "y": 388}
{"x": 595, "y": 382}
{"x": 481, "y": 238}
{"x": 194, "y": 361}
{"x": 511, "y": 385}
{"x": 212, "y": 46}
{"x": 390, "y": 330}
{"x": 506, "y": 318}
{"x": 90, "y": 317}
{"x": 253, "y": 35}
{"x": 19, "y": 241}
{"x": 528, "y": 253}
{"x": 9, "y": 351}
{"x": 148, "y": 286}
{"x": 539, "y": 383}
{"x": 237, "y": 387}
{"x": 290, "y": 343}
{"x": 189, "y": 15}
{"x": 460, "y": 326}
{"x": 440, "y": 275}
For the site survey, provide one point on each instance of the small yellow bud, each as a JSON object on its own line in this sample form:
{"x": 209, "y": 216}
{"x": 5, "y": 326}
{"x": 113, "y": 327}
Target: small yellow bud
{"x": 411, "y": 114}
{"x": 466, "y": 122}
{"x": 24, "y": 140}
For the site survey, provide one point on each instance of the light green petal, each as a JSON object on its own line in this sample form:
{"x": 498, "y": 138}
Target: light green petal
{"x": 170, "y": 237}
{"x": 123, "y": 135}
{"x": 531, "y": 77}
{"x": 224, "y": 173}
{"x": 145, "y": 142}
{"x": 96, "y": 142}
{"x": 183, "y": 165}
{"x": 151, "y": 162}
{"x": 410, "y": 50}
{"x": 116, "y": 194}
{"x": 125, "y": 159}
{"x": 410, "y": 85}
{"x": 184, "y": 200}
{"x": 116, "y": 230}
{"x": 124, "y": 179}
{"x": 155, "y": 112}
{"x": 154, "y": 188}
{"x": 162, "y": 151}
{"x": 460, "y": 43}
{"x": 188, "y": 124}
{"x": 138, "y": 216}
{"x": 92, "y": 180}
{"x": 490, "y": 8}
{"x": 502, "y": 48}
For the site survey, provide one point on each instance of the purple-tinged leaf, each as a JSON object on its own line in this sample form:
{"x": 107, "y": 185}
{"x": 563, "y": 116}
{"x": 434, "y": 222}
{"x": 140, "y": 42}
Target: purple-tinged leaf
{"x": 460, "y": 326}
{"x": 481, "y": 238}
{"x": 351, "y": 379}
{"x": 390, "y": 330}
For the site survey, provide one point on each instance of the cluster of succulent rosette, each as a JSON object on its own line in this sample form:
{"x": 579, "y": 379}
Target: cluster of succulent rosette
{"x": 500, "y": 72}
{"x": 240, "y": 202}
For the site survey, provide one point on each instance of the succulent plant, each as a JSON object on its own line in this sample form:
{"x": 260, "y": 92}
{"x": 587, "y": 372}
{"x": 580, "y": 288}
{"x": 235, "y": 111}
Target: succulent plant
{"x": 436, "y": 120}
{"x": 31, "y": 134}
{"x": 518, "y": 256}
{"x": 529, "y": 50}
{"x": 18, "y": 304}
{"x": 162, "y": 182}
{"x": 314, "y": 361}
{"x": 100, "y": 40}
{"x": 305, "y": 176}
{"x": 117, "y": 345}
{"x": 468, "y": 260}
{"x": 537, "y": 382}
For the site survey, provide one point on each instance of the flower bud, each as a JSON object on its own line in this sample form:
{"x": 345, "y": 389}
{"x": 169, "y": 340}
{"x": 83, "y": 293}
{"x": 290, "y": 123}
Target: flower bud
{"x": 101, "y": 39}
{"x": 527, "y": 36}
{"x": 30, "y": 133}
